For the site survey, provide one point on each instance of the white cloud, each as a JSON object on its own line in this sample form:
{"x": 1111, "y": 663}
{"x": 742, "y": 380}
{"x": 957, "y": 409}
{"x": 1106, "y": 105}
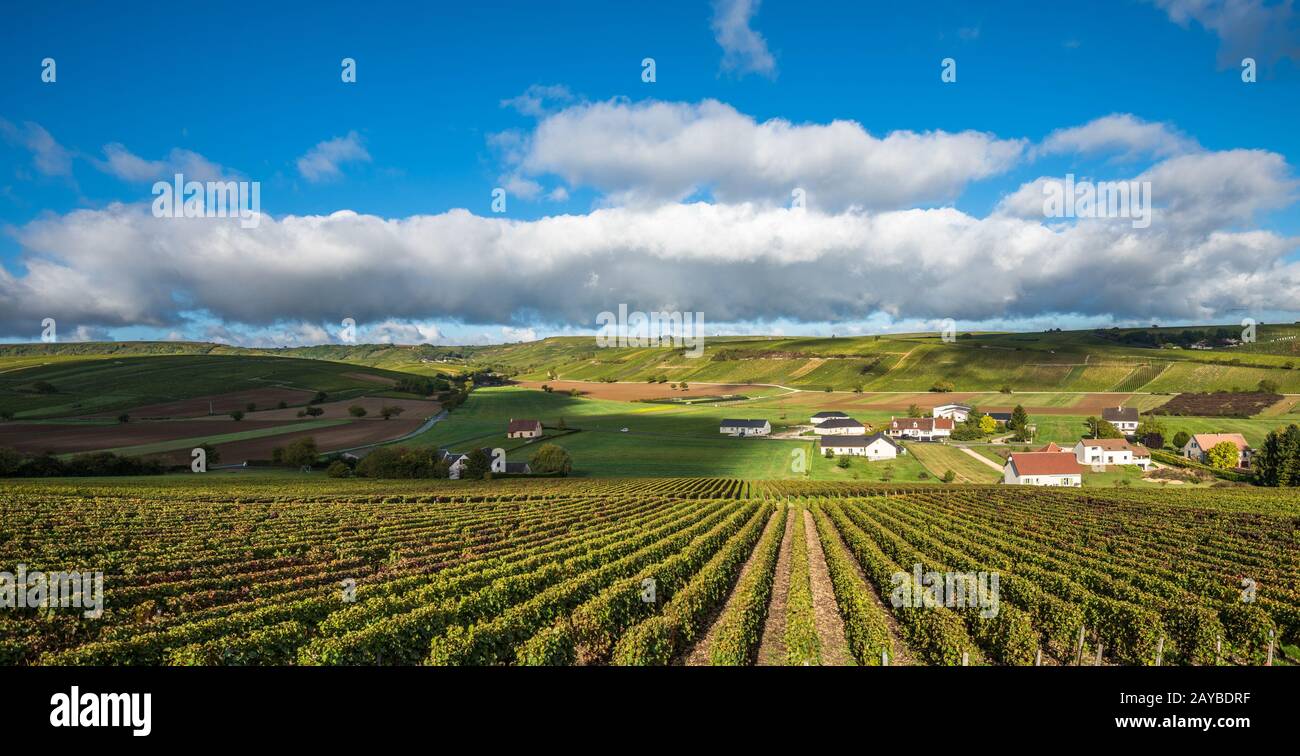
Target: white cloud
{"x": 1266, "y": 31}
{"x": 126, "y": 165}
{"x": 661, "y": 151}
{"x": 518, "y": 334}
{"x": 1121, "y": 133}
{"x": 324, "y": 161}
{"x": 48, "y": 156}
{"x": 539, "y": 99}
{"x": 399, "y": 332}
{"x": 735, "y": 263}
{"x": 743, "y": 49}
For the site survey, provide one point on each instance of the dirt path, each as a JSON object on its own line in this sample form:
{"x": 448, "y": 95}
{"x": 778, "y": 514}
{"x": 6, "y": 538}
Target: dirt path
{"x": 900, "y": 656}
{"x": 698, "y": 656}
{"x": 771, "y": 648}
{"x": 981, "y": 458}
{"x": 826, "y": 615}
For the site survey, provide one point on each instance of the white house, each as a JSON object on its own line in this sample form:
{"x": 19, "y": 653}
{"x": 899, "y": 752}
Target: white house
{"x": 921, "y": 428}
{"x": 840, "y": 426}
{"x": 1199, "y": 446}
{"x": 1111, "y": 451}
{"x": 874, "y": 447}
{"x": 1042, "y": 469}
{"x": 1125, "y": 419}
{"x": 957, "y": 412}
{"x": 745, "y": 427}
{"x": 524, "y": 429}
{"x": 456, "y": 463}
{"x": 822, "y": 417}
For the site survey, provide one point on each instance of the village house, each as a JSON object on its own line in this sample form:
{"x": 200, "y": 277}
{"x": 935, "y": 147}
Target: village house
{"x": 957, "y": 412}
{"x": 822, "y": 417}
{"x": 524, "y": 429}
{"x": 1111, "y": 451}
{"x": 1042, "y": 469}
{"x": 874, "y": 447}
{"x": 1200, "y": 444}
{"x": 456, "y": 463}
{"x": 840, "y": 426}
{"x": 1052, "y": 447}
{"x": 1125, "y": 419}
{"x": 745, "y": 427}
{"x": 921, "y": 428}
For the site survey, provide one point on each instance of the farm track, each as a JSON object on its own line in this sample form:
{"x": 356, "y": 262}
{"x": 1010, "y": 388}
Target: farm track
{"x": 771, "y": 647}
{"x": 830, "y": 628}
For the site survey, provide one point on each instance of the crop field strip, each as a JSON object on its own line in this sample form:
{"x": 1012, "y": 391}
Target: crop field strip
{"x": 557, "y": 572}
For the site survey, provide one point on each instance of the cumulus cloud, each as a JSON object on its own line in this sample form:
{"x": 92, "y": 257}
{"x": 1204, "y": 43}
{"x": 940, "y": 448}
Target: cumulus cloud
{"x": 1200, "y": 192}
{"x": 48, "y": 156}
{"x": 743, "y": 49}
{"x": 735, "y": 263}
{"x": 1266, "y": 31}
{"x": 398, "y": 332}
{"x": 1122, "y": 134}
{"x": 638, "y": 153}
{"x": 324, "y": 161}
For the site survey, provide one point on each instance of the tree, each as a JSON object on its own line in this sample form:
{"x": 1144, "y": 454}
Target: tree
{"x": 685, "y": 387}
{"x": 828, "y": 389}
{"x": 1267, "y": 386}
{"x": 913, "y": 411}
{"x": 550, "y": 458}
{"x": 389, "y": 411}
{"x": 1277, "y": 463}
{"x": 478, "y": 465}
{"x": 1019, "y": 419}
{"x": 988, "y": 425}
{"x": 6, "y": 415}
{"x": 1005, "y": 390}
{"x": 1223, "y": 455}
{"x": 942, "y": 387}
{"x": 949, "y": 476}
{"x": 1148, "y": 428}
{"x": 357, "y": 410}
{"x": 338, "y": 469}
{"x": 1023, "y": 435}
{"x": 320, "y": 397}
{"x": 210, "y": 453}
{"x": 1098, "y": 428}
{"x": 301, "y": 453}
{"x": 313, "y": 411}
{"x": 237, "y": 415}
{"x": 843, "y": 462}
{"x": 124, "y": 418}
{"x": 1180, "y": 439}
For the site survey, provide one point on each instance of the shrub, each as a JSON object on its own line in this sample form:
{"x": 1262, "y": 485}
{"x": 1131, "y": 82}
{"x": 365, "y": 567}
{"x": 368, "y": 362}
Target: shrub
{"x": 339, "y": 469}
{"x": 551, "y": 459}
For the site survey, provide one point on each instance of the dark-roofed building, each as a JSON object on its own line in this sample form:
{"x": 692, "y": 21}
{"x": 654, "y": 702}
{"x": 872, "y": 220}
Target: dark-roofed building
{"x": 873, "y": 447}
{"x": 840, "y": 426}
{"x": 1125, "y": 419}
{"x": 745, "y": 427}
{"x": 823, "y": 416}
{"x": 524, "y": 429}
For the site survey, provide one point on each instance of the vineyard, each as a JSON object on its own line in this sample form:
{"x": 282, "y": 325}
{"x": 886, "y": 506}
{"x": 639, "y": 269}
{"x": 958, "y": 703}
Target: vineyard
{"x": 652, "y": 572}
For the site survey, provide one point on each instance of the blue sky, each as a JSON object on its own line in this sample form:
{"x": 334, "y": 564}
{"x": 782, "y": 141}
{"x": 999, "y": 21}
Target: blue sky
{"x": 428, "y": 129}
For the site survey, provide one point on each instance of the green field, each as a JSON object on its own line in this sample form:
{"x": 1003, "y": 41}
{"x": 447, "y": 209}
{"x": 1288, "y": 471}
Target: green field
{"x": 939, "y": 458}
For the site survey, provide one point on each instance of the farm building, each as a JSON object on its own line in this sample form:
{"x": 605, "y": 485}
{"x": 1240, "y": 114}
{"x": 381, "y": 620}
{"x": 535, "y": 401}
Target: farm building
{"x": 524, "y": 429}
{"x": 874, "y": 447}
{"x": 1199, "y": 446}
{"x": 822, "y": 417}
{"x": 1001, "y": 417}
{"x": 921, "y": 428}
{"x": 957, "y": 412}
{"x": 1111, "y": 451}
{"x": 745, "y": 427}
{"x": 840, "y": 426}
{"x": 456, "y": 463}
{"x": 1125, "y": 419}
{"x": 1042, "y": 469}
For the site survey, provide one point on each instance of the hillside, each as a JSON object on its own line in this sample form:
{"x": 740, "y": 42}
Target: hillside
{"x": 1050, "y": 361}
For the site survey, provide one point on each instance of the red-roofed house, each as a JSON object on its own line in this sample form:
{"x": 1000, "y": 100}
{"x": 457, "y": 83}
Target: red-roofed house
{"x": 524, "y": 429}
{"x": 1042, "y": 469}
{"x": 921, "y": 428}
{"x": 1111, "y": 451}
{"x": 1199, "y": 446}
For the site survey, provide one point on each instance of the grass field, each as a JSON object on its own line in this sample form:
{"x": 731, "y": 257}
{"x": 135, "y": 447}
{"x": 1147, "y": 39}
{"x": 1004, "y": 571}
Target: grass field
{"x": 940, "y": 458}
